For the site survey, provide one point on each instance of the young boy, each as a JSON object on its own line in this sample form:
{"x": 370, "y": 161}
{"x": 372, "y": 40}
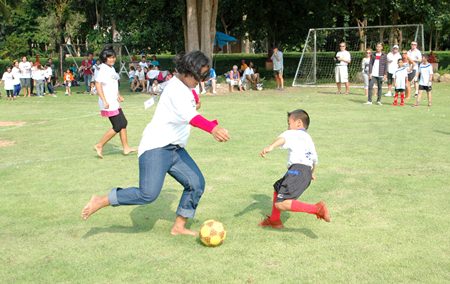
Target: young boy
{"x": 302, "y": 161}
{"x": 426, "y": 77}
{"x": 8, "y": 81}
{"x": 400, "y": 80}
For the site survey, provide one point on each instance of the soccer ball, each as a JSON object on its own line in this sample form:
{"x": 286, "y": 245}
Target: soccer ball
{"x": 212, "y": 233}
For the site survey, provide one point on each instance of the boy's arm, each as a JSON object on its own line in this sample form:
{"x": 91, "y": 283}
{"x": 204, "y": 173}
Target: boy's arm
{"x": 313, "y": 176}
{"x": 277, "y": 143}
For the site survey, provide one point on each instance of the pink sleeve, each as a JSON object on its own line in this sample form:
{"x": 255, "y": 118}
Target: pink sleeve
{"x": 200, "y": 122}
{"x": 196, "y": 97}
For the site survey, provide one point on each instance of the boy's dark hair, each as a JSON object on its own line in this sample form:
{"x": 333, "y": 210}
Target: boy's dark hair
{"x": 399, "y": 60}
{"x": 107, "y": 53}
{"x": 425, "y": 56}
{"x": 300, "y": 114}
{"x": 191, "y": 63}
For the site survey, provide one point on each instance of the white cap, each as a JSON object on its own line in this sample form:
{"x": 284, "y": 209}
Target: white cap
{"x": 395, "y": 46}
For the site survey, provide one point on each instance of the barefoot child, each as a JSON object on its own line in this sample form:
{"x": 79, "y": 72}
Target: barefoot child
{"x": 68, "y": 78}
{"x": 162, "y": 148}
{"x": 426, "y": 77}
{"x": 302, "y": 161}
{"x": 8, "y": 81}
{"x": 107, "y": 86}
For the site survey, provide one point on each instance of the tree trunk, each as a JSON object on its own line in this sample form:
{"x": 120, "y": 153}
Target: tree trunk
{"x": 362, "y": 33}
{"x": 192, "y": 26}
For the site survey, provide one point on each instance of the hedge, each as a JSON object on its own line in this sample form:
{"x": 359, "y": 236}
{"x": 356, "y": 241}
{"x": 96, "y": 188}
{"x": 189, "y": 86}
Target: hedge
{"x": 224, "y": 62}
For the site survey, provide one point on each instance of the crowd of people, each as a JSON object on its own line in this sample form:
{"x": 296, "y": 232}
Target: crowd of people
{"x": 401, "y": 71}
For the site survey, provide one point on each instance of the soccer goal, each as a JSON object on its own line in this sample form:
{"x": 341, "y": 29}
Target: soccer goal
{"x": 316, "y": 66}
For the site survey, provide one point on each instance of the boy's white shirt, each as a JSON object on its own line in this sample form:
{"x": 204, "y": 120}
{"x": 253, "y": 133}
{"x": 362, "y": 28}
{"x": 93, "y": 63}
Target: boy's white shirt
{"x": 301, "y": 148}
{"x": 425, "y": 71}
{"x": 8, "y": 79}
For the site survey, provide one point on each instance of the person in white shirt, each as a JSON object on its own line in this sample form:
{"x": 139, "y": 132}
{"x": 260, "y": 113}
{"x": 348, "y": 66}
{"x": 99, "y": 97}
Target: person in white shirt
{"x": 278, "y": 67}
{"x": 107, "y": 85}
{"x": 8, "y": 81}
{"x": 415, "y": 55}
{"x": 392, "y": 59}
{"x": 16, "y": 76}
{"x": 252, "y": 77}
{"x": 39, "y": 79}
{"x": 131, "y": 75}
{"x": 343, "y": 59}
{"x": 139, "y": 79}
{"x": 302, "y": 161}
{"x": 365, "y": 70}
{"x": 48, "y": 79}
{"x": 143, "y": 63}
{"x": 25, "y": 76}
{"x": 425, "y": 81}
{"x": 401, "y": 81}
{"x": 162, "y": 148}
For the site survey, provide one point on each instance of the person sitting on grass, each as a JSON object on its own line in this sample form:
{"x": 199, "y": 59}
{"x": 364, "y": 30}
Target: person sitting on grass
{"x": 251, "y": 76}
{"x": 162, "y": 148}
{"x": 212, "y": 80}
{"x": 302, "y": 161}
{"x": 131, "y": 75}
{"x": 234, "y": 79}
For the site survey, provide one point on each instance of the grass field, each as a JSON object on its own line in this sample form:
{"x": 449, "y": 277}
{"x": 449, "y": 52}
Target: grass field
{"x": 383, "y": 171}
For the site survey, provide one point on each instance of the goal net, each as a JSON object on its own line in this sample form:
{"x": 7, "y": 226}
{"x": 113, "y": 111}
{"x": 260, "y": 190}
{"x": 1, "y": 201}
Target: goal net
{"x": 316, "y": 66}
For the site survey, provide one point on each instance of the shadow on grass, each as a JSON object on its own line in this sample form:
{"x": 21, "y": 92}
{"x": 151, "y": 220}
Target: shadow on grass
{"x": 143, "y": 217}
{"x": 442, "y": 132}
{"x": 263, "y": 203}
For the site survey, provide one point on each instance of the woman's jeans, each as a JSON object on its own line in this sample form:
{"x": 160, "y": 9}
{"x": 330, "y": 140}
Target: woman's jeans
{"x": 153, "y": 166}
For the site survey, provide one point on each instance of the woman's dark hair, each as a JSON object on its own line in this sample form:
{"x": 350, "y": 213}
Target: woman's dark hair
{"x": 106, "y": 53}
{"x": 191, "y": 63}
{"x": 300, "y": 114}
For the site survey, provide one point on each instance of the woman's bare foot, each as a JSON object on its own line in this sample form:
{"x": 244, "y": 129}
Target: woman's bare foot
{"x": 129, "y": 150}
{"x": 182, "y": 231}
{"x": 99, "y": 150}
{"x": 179, "y": 227}
{"x": 96, "y": 203}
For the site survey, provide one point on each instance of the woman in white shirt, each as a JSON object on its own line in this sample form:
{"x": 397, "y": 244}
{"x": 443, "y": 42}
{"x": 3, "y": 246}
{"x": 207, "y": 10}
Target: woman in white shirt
{"x": 109, "y": 101}
{"x": 162, "y": 148}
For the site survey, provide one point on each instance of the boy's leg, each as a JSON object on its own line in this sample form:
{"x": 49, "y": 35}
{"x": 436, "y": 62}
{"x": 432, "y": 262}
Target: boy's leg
{"x": 429, "y": 97}
{"x": 419, "y": 95}
{"x": 402, "y": 97}
{"x": 395, "y": 99}
{"x": 318, "y": 209}
{"x": 187, "y": 173}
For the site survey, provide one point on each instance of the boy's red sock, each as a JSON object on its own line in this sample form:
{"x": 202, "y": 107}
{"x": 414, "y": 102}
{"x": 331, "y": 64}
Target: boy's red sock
{"x": 275, "y": 216}
{"x": 298, "y": 206}
{"x": 396, "y": 99}
{"x": 402, "y": 98}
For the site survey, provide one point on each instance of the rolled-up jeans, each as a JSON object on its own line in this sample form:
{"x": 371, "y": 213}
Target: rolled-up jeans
{"x": 153, "y": 166}
{"x": 379, "y": 81}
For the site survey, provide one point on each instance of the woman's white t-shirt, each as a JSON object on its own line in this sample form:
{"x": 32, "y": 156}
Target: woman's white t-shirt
{"x": 16, "y": 74}
{"x": 170, "y": 123}
{"x": 301, "y": 147}
{"x": 109, "y": 79}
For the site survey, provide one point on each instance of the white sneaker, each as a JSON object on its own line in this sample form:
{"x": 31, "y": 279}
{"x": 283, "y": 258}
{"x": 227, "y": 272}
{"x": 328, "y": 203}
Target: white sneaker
{"x": 214, "y": 92}
{"x": 367, "y": 103}
{"x": 388, "y": 94}
{"x": 379, "y": 103}
{"x": 203, "y": 92}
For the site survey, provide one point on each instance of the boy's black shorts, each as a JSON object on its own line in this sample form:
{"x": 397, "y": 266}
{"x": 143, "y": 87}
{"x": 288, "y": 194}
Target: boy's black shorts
{"x": 390, "y": 78}
{"x": 399, "y": 90}
{"x": 293, "y": 183}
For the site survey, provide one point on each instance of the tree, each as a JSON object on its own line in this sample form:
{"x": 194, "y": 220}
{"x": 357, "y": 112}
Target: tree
{"x": 200, "y": 25}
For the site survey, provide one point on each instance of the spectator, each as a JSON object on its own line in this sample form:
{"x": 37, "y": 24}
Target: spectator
{"x": 251, "y": 77}
{"x": 139, "y": 80}
{"x": 131, "y": 75}
{"x": 342, "y": 59}
{"x": 25, "y": 76}
{"x": 39, "y": 79}
{"x": 68, "y": 78}
{"x": 277, "y": 59}
{"x": 152, "y": 77}
{"x": 409, "y": 65}
{"x": 212, "y": 80}
{"x": 365, "y": 70}
{"x": 48, "y": 79}
{"x": 243, "y": 66}
{"x": 96, "y": 68}
{"x": 8, "y": 80}
{"x": 143, "y": 62}
{"x": 392, "y": 59}
{"x": 234, "y": 79}
{"x": 55, "y": 75}
{"x": 415, "y": 55}
{"x": 154, "y": 61}
{"x": 86, "y": 67}
{"x": 16, "y": 75}
{"x": 377, "y": 73}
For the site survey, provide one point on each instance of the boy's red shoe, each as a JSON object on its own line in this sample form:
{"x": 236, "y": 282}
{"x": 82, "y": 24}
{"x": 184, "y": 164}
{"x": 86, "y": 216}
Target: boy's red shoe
{"x": 394, "y": 103}
{"x": 322, "y": 211}
{"x": 402, "y": 104}
{"x": 269, "y": 223}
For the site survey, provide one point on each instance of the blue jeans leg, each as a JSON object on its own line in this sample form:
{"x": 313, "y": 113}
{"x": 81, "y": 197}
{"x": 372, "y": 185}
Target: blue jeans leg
{"x": 153, "y": 166}
{"x": 186, "y": 172}
{"x": 87, "y": 81}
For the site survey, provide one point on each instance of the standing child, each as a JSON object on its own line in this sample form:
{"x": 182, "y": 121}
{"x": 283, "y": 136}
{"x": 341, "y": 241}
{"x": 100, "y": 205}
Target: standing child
{"x": 16, "y": 75}
{"x": 68, "y": 78}
{"x": 39, "y": 80}
{"x": 401, "y": 81}
{"x": 93, "y": 88}
{"x": 426, "y": 77}
{"x": 8, "y": 81}
{"x": 302, "y": 161}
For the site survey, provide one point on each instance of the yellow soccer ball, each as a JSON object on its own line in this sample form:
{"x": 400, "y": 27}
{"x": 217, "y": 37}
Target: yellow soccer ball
{"x": 212, "y": 233}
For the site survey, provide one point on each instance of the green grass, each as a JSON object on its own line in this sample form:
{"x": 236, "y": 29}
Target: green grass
{"x": 384, "y": 173}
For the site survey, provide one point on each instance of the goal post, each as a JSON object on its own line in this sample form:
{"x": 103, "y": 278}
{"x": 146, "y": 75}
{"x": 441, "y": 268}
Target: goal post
{"x": 316, "y": 64}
